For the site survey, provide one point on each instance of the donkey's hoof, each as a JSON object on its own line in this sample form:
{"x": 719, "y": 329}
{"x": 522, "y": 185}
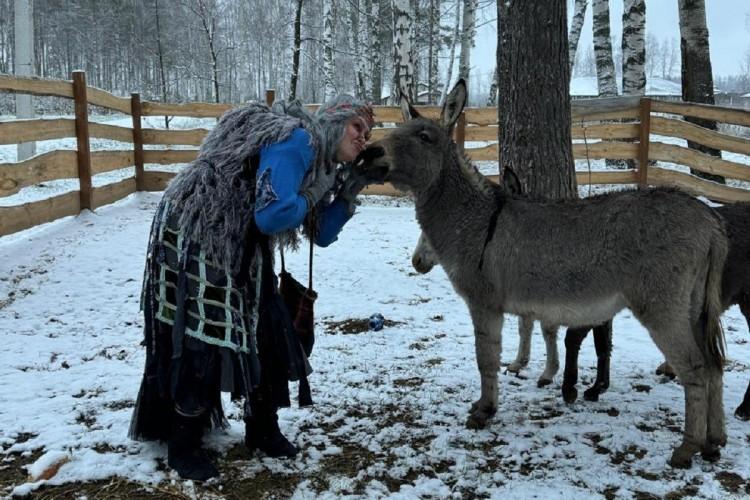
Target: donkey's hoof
{"x": 742, "y": 412}
{"x": 475, "y": 423}
{"x": 711, "y": 453}
{"x": 666, "y": 370}
{"x": 515, "y": 367}
{"x": 591, "y": 394}
{"x": 682, "y": 456}
{"x": 719, "y": 441}
{"x": 570, "y": 394}
{"x": 543, "y": 382}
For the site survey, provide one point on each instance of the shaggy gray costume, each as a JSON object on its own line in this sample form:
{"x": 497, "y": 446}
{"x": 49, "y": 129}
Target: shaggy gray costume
{"x": 214, "y": 195}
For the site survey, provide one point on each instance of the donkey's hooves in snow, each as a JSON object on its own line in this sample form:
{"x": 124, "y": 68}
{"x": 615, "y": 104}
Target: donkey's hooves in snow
{"x": 666, "y": 370}
{"x": 479, "y": 415}
{"x": 516, "y": 366}
{"x": 682, "y": 457}
{"x": 477, "y": 421}
{"x": 593, "y": 392}
{"x": 543, "y": 382}
{"x": 570, "y": 394}
{"x": 711, "y": 453}
{"x": 742, "y": 412}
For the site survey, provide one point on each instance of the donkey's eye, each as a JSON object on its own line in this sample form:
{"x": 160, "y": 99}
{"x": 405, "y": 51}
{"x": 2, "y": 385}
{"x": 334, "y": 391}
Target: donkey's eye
{"x": 424, "y": 136}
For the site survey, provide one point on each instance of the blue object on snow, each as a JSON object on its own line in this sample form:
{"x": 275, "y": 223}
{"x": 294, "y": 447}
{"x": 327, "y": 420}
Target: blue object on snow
{"x": 376, "y": 322}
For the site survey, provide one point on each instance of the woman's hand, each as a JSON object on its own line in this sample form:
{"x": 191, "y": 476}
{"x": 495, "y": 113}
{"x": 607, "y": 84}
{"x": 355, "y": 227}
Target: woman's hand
{"x": 323, "y": 183}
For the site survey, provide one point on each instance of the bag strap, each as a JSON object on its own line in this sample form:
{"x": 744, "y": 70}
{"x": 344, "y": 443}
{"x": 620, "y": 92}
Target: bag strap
{"x": 310, "y": 260}
{"x": 310, "y": 276}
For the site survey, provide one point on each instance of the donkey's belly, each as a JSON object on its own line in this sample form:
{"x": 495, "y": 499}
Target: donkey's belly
{"x": 592, "y": 311}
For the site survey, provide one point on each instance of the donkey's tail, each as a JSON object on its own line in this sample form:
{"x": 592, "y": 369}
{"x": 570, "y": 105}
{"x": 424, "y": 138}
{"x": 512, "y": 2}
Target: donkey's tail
{"x": 715, "y": 343}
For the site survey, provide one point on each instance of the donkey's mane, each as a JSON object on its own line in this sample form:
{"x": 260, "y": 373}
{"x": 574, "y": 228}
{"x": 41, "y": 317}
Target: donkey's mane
{"x": 482, "y": 183}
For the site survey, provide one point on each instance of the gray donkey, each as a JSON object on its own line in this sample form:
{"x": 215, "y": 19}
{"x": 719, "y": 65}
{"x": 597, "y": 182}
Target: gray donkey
{"x": 423, "y": 259}
{"x": 735, "y": 289}
{"x": 576, "y": 263}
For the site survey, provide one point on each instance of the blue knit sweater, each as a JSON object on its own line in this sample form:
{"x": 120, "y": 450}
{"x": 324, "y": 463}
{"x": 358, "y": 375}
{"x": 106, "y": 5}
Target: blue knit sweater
{"x": 279, "y": 205}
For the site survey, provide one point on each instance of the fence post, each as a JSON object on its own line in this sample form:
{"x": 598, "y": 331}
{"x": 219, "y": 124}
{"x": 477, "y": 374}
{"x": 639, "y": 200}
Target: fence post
{"x": 270, "y": 96}
{"x": 644, "y": 136}
{"x": 82, "y": 138}
{"x": 461, "y": 131}
{"x": 135, "y": 111}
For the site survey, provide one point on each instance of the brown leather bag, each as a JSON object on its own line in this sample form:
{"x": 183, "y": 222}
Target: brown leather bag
{"x": 299, "y": 301}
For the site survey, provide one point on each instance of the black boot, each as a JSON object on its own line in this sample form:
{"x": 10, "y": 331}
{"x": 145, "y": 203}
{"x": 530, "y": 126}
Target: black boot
{"x": 184, "y": 454}
{"x": 262, "y": 432}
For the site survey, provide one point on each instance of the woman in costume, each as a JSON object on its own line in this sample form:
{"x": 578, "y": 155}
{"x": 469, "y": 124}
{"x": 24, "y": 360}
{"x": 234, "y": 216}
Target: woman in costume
{"x": 213, "y": 319}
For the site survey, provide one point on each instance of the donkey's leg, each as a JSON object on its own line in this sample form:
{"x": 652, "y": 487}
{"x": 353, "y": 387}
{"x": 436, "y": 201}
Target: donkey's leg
{"x": 673, "y": 335}
{"x": 525, "y": 326}
{"x": 573, "y": 339}
{"x": 603, "y": 344}
{"x": 716, "y": 434}
{"x": 666, "y": 370}
{"x": 487, "y": 342}
{"x": 549, "y": 332}
{"x": 743, "y": 410}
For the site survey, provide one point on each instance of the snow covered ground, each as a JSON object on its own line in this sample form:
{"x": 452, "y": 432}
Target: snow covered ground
{"x": 390, "y": 405}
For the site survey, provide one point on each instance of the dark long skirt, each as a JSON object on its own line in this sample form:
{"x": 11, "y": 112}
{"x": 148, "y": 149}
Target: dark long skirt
{"x": 186, "y": 375}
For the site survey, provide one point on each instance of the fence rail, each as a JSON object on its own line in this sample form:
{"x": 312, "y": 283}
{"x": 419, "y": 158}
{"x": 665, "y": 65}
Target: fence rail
{"x": 623, "y": 128}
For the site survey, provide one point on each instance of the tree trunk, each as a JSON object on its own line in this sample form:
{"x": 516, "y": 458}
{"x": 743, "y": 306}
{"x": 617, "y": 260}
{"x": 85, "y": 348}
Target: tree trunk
{"x": 605, "y": 68}
{"x": 468, "y": 31}
{"x": 329, "y": 69}
{"x": 697, "y": 78}
{"x": 492, "y": 98}
{"x": 452, "y": 56}
{"x": 356, "y": 50}
{"x": 579, "y": 16}
{"x": 296, "y": 50}
{"x": 403, "y": 68}
{"x": 534, "y": 97}
{"x": 160, "y": 52}
{"x": 433, "y": 50}
{"x": 634, "y": 47}
{"x": 375, "y": 36}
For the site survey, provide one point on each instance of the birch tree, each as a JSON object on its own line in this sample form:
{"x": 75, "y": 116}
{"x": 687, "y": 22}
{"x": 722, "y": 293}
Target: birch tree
{"x": 697, "y": 77}
{"x": 329, "y": 69}
{"x": 451, "y": 57}
{"x": 403, "y": 67}
{"x": 356, "y": 50}
{"x": 634, "y": 47}
{"x": 433, "y": 49}
{"x": 579, "y": 16}
{"x": 468, "y": 32}
{"x": 375, "y": 35}
{"x": 492, "y": 98}
{"x": 605, "y": 67}
{"x": 296, "y": 48}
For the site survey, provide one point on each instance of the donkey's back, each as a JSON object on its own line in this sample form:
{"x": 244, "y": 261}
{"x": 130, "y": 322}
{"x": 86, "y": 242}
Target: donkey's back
{"x": 612, "y": 251}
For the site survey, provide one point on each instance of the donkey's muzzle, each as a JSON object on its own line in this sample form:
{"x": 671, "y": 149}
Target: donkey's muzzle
{"x": 371, "y": 164}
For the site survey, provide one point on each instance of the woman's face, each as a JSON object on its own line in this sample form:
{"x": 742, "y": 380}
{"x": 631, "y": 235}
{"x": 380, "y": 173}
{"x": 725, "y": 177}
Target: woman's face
{"x": 356, "y": 133}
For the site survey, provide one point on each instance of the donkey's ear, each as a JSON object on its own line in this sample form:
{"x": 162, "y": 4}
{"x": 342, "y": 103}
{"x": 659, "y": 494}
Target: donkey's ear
{"x": 511, "y": 182}
{"x": 453, "y": 105}
{"x": 407, "y": 110}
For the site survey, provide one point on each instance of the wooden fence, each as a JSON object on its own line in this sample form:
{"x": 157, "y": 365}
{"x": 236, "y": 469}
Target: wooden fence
{"x": 611, "y": 128}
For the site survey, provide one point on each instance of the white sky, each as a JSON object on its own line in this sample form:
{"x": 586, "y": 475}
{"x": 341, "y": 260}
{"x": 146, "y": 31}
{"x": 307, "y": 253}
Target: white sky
{"x": 728, "y": 28}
